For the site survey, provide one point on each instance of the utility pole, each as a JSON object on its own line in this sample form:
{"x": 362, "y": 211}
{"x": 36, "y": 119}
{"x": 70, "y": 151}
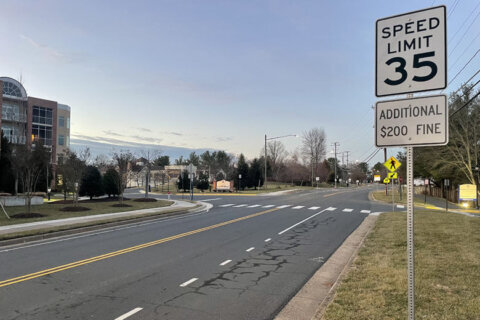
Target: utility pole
{"x": 335, "y": 144}
{"x": 265, "y": 180}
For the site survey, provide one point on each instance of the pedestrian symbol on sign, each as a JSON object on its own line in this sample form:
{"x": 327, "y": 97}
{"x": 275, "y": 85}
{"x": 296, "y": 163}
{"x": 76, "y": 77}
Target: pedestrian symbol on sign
{"x": 392, "y": 164}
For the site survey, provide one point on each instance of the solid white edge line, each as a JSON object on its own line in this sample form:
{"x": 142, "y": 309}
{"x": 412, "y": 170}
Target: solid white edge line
{"x": 250, "y": 249}
{"x": 128, "y": 314}
{"x": 225, "y": 262}
{"x": 188, "y": 282}
{"x": 296, "y": 224}
{"x": 266, "y": 240}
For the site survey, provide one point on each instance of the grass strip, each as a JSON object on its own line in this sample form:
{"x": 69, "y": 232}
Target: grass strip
{"x": 447, "y": 265}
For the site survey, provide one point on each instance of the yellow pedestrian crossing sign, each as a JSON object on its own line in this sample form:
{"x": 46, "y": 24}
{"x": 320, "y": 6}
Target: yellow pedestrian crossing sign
{"x": 393, "y": 175}
{"x": 386, "y": 181}
{"x": 392, "y": 164}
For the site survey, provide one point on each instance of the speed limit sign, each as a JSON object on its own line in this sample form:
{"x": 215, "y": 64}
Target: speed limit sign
{"x": 411, "y": 52}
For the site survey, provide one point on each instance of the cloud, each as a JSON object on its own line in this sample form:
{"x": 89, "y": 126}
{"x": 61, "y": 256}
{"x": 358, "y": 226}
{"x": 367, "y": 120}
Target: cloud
{"x": 144, "y": 129}
{"x": 47, "y": 50}
{"x": 172, "y": 133}
{"x": 138, "y": 140}
{"x": 112, "y": 133}
{"x": 223, "y": 139}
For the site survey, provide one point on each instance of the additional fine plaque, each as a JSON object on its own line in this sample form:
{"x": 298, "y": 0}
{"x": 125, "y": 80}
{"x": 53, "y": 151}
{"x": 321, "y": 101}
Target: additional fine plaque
{"x": 412, "y": 122}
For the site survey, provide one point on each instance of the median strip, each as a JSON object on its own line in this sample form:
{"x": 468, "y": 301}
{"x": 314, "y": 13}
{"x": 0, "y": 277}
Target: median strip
{"x": 75, "y": 264}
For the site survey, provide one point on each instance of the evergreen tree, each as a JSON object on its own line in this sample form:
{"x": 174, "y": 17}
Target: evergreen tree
{"x": 110, "y": 182}
{"x": 91, "y": 183}
{"x": 242, "y": 169}
{"x": 183, "y": 181}
{"x": 202, "y": 182}
{"x": 255, "y": 174}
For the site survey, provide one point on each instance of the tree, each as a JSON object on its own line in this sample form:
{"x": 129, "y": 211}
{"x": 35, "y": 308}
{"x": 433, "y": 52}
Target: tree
{"x": 123, "y": 161}
{"x": 183, "y": 181}
{"x": 71, "y": 170}
{"x": 242, "y": 168}
{"x": 255, "y": 175}
{"x": 162, "y": 161}
{"x": 111, "y": 182}
{"x": 276, "y": 154}
{"x": 202, "y": 182}
{"x": 29, "y": 164}
{"x": 91, "y": 183}
{"x": 7, "y": 178}
{"x": 194, "y": 159}
{"x": 180, "y": 161}
{"x": 313, "y": 147}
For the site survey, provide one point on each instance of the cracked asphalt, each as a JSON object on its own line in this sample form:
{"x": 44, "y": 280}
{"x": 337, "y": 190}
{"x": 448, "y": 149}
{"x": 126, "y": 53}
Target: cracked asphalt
{"x": 254, "y": 285}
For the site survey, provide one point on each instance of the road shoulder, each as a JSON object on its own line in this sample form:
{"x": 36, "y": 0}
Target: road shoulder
{"x": 311, "y": 301}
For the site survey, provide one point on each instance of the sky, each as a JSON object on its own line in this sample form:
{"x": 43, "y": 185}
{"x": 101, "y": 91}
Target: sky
{"x": 215, "y": 74}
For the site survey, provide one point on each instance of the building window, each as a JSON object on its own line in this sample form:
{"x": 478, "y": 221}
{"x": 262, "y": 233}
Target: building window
{"x": 42, "y": 115}
{"x": 42, "y": 134}
{"x": 61, "y": 140}
{"x": 11, "y": 89}
{"x": 67, "y": 144}
{"x": 61, "y": 121}
{"x": 68, "y": 123}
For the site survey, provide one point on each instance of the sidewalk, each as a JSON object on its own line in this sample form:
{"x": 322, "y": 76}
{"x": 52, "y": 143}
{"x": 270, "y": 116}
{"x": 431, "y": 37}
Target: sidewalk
{"x": 79, "y": 221}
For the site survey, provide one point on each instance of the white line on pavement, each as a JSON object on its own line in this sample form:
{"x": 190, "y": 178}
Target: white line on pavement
{"x": 400, "y": 206}
{"x": 331, "y": 209}
{"x": 298, "y": 207}
{"x": 284, "y": 206}
{"x": 227, "y": 205}
{"x": 296, "y": 224}
{"x": 254, "y": 206}
{"x": 212, "y": 199}
{"x": 347, "y": 210}
{"x": 268, "y": 206}
{"x": 225, "y": 262}
{"x": 313, "y": 208}
{"x": 375, "y": 213}
{"x": 188, "y": 282}
{"x": 365, "y": 211}
{"x": 266, "y": 240}
{"x": 128, "y": 314}
{"x": 250, "y": 249}
{"x": 240, "y": 205}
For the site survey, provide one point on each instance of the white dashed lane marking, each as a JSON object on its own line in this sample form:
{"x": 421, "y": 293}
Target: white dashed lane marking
{"x": 254, "y": 206}
{"x": 331, "y": 209}
{"x": 298, "y": 207}
{"x": 250, "y": 249}
{"x": 225, "y": 262}
{"x": 240, "y": 205}
{"x": 347, "y": 210}
{"x": 268, "y": 206}
{"x": 365, "y": 211}
{"x": 227, "y": 205}
{"x": 128, "y": 314}
{"x": 284, "y": 206}
{"x": 267, "y": 240}
{"x": 188, "y": 282}
{"x": 313, "y": 208}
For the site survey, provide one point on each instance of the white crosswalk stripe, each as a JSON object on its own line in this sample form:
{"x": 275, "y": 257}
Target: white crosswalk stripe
{"x": 347, "y": 210}
{"x": 240, "y": 205}
{"x": 284, "y": 206}
{"x": 254, "y": 206}
{"x": 298, "y": 207}
{"x": 331, "y": 209}
{"x": 365, "y": 211}
{"x": 313, "y": 208}
{"x": 268, "y": 206}
{"x": 227, "y": 205}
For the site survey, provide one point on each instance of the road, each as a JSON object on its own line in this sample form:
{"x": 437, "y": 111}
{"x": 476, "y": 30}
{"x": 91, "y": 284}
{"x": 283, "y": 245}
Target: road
{"x": 244, "y": 259}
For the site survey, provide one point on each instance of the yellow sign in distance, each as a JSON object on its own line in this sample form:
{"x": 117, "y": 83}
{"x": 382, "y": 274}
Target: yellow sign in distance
{"x": 392, "y": 175}
{"x": 392, "y": 164}
{"x": 386, "y": 181}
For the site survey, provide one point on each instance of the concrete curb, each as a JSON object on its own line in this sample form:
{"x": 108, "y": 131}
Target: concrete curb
{"x": 311, "y": 301}
{"x": 103, "y": 224}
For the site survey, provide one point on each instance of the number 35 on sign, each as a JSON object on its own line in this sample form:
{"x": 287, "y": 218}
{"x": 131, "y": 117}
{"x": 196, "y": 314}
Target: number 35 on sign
{"x": 411, "y": 54}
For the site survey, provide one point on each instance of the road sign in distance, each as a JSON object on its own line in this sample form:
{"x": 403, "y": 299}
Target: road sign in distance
{"x": 392, "y": 164}
{"x": 376, "y": 177}
{"x": 386, "y": 181}
{"x": 412, "y": 122}
{"x": 411, "y": 52}
{"x": 393, "y": 175}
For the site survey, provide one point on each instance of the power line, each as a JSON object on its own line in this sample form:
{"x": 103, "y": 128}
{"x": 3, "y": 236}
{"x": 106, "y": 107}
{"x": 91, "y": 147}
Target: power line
{"x": 466, "y": 64}
{"x": 459, "y": 41}
{"x": 464, "y": 51}
{"x": 464, "y": 21}
{"x": 454, "y": 7}
{"x": 471, "y": 87}
{"x": 466, "y": 104}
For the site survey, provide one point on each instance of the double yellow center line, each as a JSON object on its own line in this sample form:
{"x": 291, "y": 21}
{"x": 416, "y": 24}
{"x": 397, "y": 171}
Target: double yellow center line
{"x": 75, "y": 264}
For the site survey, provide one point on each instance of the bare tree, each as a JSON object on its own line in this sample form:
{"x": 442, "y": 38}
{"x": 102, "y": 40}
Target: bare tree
{"x": 72, "y": 169}
{"x": 29, "y": 164}
{"x": 148, "y": 156}
{"x": 123, "y": 162}
{"x": 314, "y": 147}
{"x": 276, "y": 154}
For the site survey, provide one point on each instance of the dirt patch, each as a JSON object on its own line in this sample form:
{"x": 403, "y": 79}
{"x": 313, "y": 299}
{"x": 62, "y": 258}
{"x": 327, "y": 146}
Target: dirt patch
{"x": 145, "y": 200}
{"x": 27, "y": 215}
{"x": 74, "y": 209}
{"x": 121, "y": 205}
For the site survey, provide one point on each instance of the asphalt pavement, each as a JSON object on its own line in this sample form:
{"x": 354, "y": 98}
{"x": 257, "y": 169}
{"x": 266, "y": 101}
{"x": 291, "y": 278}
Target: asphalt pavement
{"x": 243, "y": 259}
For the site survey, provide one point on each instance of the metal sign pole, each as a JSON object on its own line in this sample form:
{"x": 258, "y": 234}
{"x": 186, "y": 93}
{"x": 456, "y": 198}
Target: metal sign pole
{"x": 393, "y": 199}
{"x": 410, "y": 240}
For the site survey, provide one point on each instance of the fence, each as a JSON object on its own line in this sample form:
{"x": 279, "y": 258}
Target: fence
{"x": 451, "y": 193}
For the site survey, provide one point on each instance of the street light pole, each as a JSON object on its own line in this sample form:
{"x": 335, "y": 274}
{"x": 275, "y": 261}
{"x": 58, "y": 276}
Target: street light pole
{"x": 335, "y": 144}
